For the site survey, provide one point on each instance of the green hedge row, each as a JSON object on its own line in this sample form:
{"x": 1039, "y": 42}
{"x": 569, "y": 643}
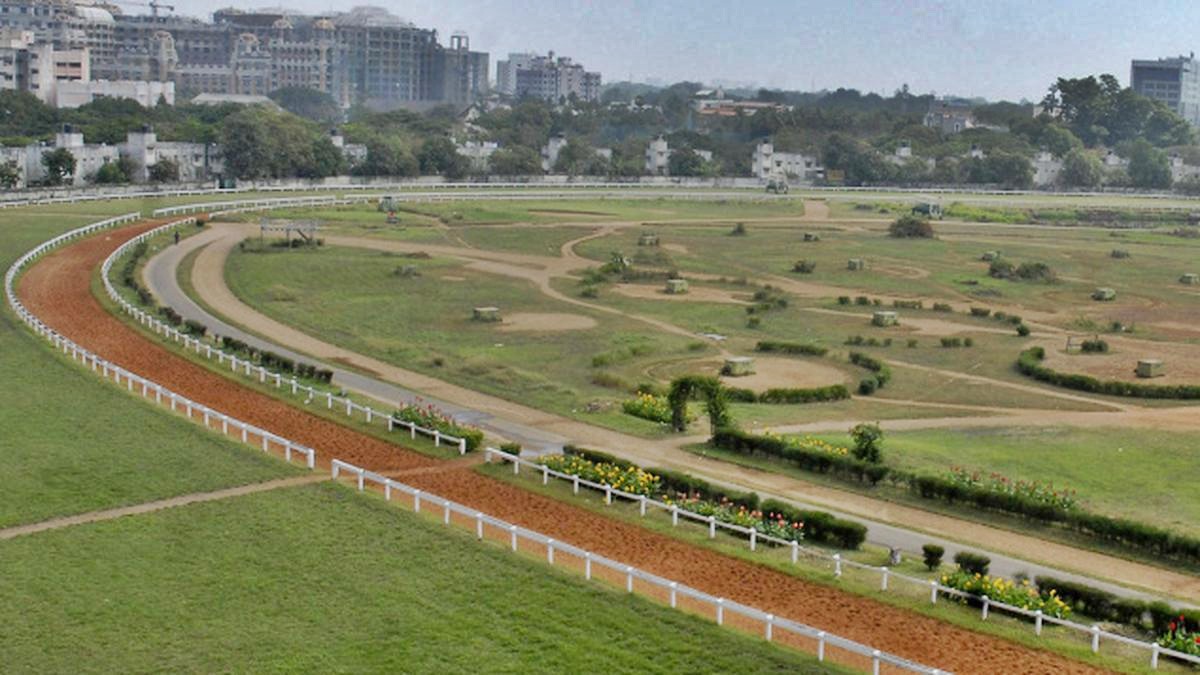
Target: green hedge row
{"x": 778, "y": 347}
{"x": 1105, "y": 606}
{"x": 882, "y": 374}
{"x": 820, "y": 526}
{"x": 1030, "y": 363}
{"x": 834, "y": 392}
{"x": 1133, "y": 535}
{"x": 736, "y": 440}
{"x": 674, "y": 481}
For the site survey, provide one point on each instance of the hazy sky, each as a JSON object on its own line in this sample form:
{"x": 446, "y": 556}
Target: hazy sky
{"x": 994, "y": 48}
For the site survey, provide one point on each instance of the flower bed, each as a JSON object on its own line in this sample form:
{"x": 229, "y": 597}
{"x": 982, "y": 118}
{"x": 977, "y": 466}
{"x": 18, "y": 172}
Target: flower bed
{"x": 626, "y": 478}
{"x": 1179, "y": 638}
{"x": 1024, "y": 594}
{"x": 769, "y": 523}
{"x": 1044, "y": 493}
{"x": 649, "y": 407}
{"x": 430, "y": 417}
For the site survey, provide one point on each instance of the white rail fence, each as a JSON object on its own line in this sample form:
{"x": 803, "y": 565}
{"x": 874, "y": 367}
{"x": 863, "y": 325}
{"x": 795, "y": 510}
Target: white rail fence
{"x": 134, "y": 382}
{"x": 886, "y": 576}
{"x": 246, "y": 367}
{"x": 164, "y": 396}
{"x": 555, "y": 550}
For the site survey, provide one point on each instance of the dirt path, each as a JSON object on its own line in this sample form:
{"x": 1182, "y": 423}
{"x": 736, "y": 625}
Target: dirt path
{"x": 148, "y": 507}
{"x": 209, "y": 282}
{"x": 58, "y": 289}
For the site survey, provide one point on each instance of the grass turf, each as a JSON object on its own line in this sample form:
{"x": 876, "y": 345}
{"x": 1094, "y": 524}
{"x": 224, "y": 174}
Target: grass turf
{"x": 319, "y": 578}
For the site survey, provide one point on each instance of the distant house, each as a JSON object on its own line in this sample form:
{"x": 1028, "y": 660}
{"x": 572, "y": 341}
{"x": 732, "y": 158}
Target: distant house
{"x": 950, "y": 116}
{"x": 768, "y": 164}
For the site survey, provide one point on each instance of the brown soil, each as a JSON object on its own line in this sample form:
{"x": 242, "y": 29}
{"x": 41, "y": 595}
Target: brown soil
{"x": 1181, "y": 362}
{"x": 530, "y": 321}
{"x": 58, "y": 290}
{"x": 770, "y": 373}
{"x": 676, "y": 248}
{"x": 694, "y": 294}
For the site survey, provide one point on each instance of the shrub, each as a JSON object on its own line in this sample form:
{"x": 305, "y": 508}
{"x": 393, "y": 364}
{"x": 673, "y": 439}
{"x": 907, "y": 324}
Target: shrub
{"x": 968, "y": 342}
{"x": 843, "y": 300}
{"x": 932, "y": 553}
{"x": 1119, "y": 254}
{"x": 193, "y": 327}
{"x": 862, "y": 300}
{"x": 1023, "y": 330}
{"x": 739, "y": 230}
{"x": 815, "y": 456}
{"x": 1029, "y": 363}
{"x": 1035, "y": 271}
{"x": 590, "y": 292}
{"x": 430, "y": 417}
{"x": 804, "y": 266}
{"x": 908, "y": 304}
{"x": 795, "y": 348}
{"x": 820, "y": 526}
{"x": 883, "y": 374}
{"x": 910, "y": 227}
{"x": 511, "y": 448}
{"x": 1096, "y": 346}
{"x": 753, "y": 322}
{"x": 980, "y": 311}
{"x": 867, "y": 386}
{"x": 648, "y": 407}
{"x": 682, "y": 483}
{"x": 171, "y": 316}
{"x": 912, "y": 344}
{"x": 867, "y": 438}
{"x": 942, "y": 307}
{"x": 1096, "y": 603}
{"x": 835, "y": 392}
{"x": 972, "y": 563}
{"x": 951, "y": 342}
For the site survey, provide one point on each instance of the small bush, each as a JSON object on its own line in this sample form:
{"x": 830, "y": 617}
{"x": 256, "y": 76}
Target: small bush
{"x": 952, "y": 342}
{"x": 968, "y": 342}
{"x": 738, "y": 230}
{"x": 942, "y": 307}
{"x": 193, "y": 327}
{"x": 1096, "y": 346}
{"x": 804, "y": 266}
{"x": 753, "y": 322}
{"x": 910, "y": 227}
{"x": 862, "y": 300}
{"x": 972, "y": 563}
{"x": 1023, "y": 330}
{"x": 932, "y": 554}
{"x": 590, "y": 292}
{"x": 867, "y": 438}
{"x": 1119, "y": 254}
{"x": 908, "y": 304}
{"x": 912, "y": 344}
{"x": 796, "y": 348}
{"x": 843, "y": 299}
{"x": 980, "y": 311}
{"x": 867, "y": 386}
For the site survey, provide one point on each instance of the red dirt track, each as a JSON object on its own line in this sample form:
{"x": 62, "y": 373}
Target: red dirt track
{"x": 57, "y": 289}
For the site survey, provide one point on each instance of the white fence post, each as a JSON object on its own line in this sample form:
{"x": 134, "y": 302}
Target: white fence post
{"x": 608, "y": 494}
{"x": 628, "y": 579}
{"x": 1095, "y": 638}
{"x": 587, "y": 565}
{"x": 875, "y": 662}
{"x": 643, "y": 505}
{"x": 795, "y": 551}
{"x": 821, "y": 646}
{"x": 712, "y": 527}
{"x": 986, "y": 602}
{"x": 753, "y": 538}
{"x": 550, "y": 552}
{"x": 769, "y": 628}
{"x": 545, "y": 475}
{"x": 720, "y": 611}
{"x": 1154, "y": 656}
{"x": 513, "y": 530}
{"x": 416, "y": 501}
{"x": 883, "y": 579}
{"x": 933, "y": 589}
{"x": 1037, "y": 623}
{"x": 674, "y": 592}
{"x": 479, "y": 525}
{"x": 837, "y": 565}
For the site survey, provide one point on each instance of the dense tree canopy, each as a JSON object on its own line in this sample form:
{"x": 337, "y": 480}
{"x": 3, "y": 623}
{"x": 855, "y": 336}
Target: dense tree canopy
{"x": 1100, "y": 112}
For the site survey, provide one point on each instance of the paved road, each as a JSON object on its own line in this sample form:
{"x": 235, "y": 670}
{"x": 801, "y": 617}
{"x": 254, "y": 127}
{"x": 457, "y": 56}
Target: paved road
{"x": 161, "y": 277}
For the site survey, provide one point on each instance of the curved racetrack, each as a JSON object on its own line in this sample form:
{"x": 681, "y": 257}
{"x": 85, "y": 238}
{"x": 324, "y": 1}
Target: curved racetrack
{"x": 58, "y": 289}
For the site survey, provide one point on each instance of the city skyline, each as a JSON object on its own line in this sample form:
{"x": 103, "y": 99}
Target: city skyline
{"x": 1006, "y": 50}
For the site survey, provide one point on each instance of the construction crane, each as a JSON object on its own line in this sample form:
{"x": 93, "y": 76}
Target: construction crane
{"x": 154, "y": 5}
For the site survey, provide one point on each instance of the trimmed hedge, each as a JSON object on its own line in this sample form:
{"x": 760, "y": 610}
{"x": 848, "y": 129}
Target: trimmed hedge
{"x": 1144, "y": 538}
{"x": 883, "y": 374}
{"x": 1099, "y": 604}
{"x": 972, "y": 563}
{"x": 836, "y": 392}
{"x": 776, "y": 346}
{"x": 690, "y": 485}
{"x": 736, "y": 440}
{"x": 1030, "y": 363}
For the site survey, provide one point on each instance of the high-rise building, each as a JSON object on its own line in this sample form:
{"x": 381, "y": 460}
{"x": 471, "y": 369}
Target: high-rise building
{"x": 1174, "y": 81}
{"x": 548, "y": 78}
{"x": 365, "y": 55}
{"x": 506, "y": 72}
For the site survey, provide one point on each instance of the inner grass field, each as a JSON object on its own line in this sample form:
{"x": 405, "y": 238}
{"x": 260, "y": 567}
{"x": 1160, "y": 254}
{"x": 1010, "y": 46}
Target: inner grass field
{"x": 319, "y": 578}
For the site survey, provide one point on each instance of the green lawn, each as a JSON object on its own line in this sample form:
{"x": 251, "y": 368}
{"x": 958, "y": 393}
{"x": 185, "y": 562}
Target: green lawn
{"x": 318, "y": 578}
{"x": 353, "y": 298}
{"x": 72, "y": 443}
{"x": 1141, "y": 474}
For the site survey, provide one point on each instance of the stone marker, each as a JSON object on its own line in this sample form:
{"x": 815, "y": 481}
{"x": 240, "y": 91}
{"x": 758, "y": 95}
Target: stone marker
{"x": 1150, "y": 368}
{"x": 885, "y": 318}
{"x": 738, "y": 366}
{"x": 677, "y": 286}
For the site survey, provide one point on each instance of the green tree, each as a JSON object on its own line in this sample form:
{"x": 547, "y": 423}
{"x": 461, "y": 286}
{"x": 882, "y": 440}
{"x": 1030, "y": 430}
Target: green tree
{"x": 575, "y": 158}
{"x": 263, "y": 143}
{"x": 165, "y": 170}
{"x": 23, "y": 115}
{"x": 868, "y": 439}
{"x": 10, "y": 175}
{"x": 59, "y": 164}
{"x": 516, "y": 161}
{"x": 685, "y": 162}
{"x": 911, "y": 227}
{"x": 1059, "y": 140}
{"x": 438, "y": 156}
{"x": 111, "y": 174}
{"x": 1148, "y": 166}
{"x": 388, "y": 157}
{"x": 1081, "y": 169}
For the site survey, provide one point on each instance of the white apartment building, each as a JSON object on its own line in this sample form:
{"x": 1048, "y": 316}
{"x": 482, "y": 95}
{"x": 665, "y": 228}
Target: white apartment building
{"x": 478, "y": 153}
{"x": 768, "y": 164}
{"x": 658, "y": 157}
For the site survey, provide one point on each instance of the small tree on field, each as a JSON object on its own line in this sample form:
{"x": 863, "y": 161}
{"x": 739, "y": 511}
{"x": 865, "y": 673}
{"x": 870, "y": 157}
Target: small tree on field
{"x": 9, "y": 175}
{"x": 867, "y": 438}
{"x": 911, "y": 227}
{"x": 164, "y": 170}
{"x": 60, "y": 165}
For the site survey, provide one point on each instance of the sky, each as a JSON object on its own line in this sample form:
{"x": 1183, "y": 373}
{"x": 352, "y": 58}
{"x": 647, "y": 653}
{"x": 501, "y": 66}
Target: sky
{"x": 998, "y": 49}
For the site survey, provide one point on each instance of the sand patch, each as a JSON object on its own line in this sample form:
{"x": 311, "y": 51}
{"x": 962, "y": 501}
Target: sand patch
{"x": 1181, "y": 361}
{"x": 902, "y": 271}
{"x": 676, "y": 248}
{"x": 452, "y": 278}
{"x": 770, "y": 373}
{"x": 529, "y": 321}
{"x": 694, "y": 294}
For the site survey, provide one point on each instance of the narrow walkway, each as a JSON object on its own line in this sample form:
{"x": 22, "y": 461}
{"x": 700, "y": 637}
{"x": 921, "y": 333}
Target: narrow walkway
{"x": 182, "y": 500}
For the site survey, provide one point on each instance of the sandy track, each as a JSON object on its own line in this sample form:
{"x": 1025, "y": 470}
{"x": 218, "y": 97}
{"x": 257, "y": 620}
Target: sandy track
{"x": 57, "y": 288}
